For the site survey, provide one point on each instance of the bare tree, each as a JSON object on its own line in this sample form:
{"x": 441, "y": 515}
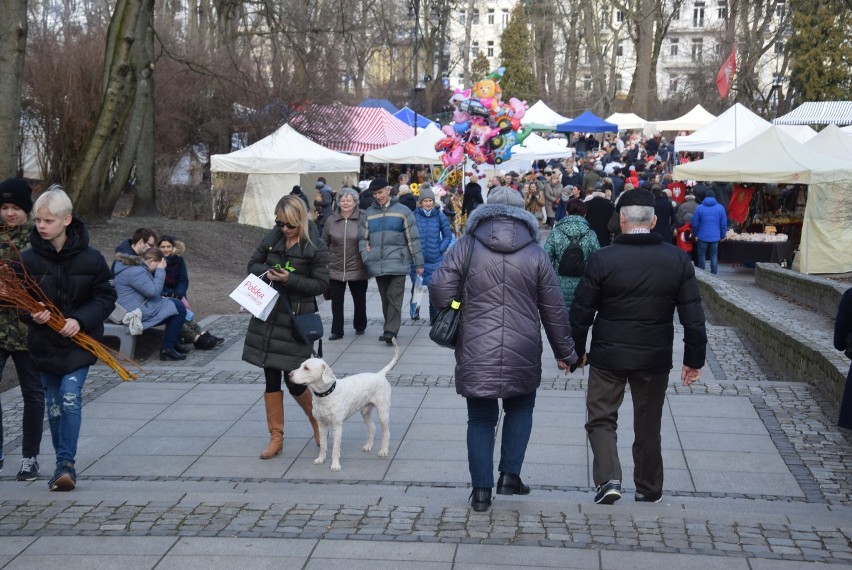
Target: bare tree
{"x": 13, "y": 42}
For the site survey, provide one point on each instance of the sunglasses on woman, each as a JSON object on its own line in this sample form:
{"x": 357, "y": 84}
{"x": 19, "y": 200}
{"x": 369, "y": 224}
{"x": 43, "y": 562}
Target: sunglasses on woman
{"x": 281, "y": 224}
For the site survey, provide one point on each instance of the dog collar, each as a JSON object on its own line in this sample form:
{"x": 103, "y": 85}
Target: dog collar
{"x": 327, "y": 392}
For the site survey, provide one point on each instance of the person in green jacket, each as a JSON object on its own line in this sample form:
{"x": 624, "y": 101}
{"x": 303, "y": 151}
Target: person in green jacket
{"x": 572, "y": 229}
{"x": 15, "y": 206}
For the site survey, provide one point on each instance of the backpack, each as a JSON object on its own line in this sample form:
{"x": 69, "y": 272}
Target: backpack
{"x": 573, "y": 261}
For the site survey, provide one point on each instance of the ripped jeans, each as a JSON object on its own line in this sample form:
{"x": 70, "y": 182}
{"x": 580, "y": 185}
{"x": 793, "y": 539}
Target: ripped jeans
{"x": 63, "y": 401}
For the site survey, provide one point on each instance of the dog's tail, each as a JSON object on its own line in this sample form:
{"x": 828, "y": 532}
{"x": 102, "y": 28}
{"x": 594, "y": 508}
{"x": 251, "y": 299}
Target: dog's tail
{"x": 393, "y": 362}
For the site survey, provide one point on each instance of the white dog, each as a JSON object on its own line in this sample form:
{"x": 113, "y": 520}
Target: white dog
{"x": 335, "y": 400}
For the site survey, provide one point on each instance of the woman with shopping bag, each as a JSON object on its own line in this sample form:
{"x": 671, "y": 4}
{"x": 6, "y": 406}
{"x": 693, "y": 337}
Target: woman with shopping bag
{"x": 294, "y": 261}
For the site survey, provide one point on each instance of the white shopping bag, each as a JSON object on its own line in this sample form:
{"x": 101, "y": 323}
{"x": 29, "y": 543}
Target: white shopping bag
{"x": 255, "y": 296}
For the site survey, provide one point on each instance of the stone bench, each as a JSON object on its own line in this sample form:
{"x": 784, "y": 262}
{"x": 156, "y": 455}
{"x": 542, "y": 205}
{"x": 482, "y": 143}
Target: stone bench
{"x": 127, "y": 342}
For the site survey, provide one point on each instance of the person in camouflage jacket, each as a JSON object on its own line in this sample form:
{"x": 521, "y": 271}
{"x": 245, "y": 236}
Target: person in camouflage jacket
{"x": 573, "y": 228}
{"x": 15, "y": 206}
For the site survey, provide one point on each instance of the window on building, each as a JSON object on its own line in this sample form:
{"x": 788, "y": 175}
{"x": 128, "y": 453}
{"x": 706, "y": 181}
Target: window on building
{"x": 505, "y": 17}
{"x": 722, "y": 10}
{"x": 586, "y": 59}
{"x": 475, "y": 18}
{"x": 676, "y": 12}
{"x": 604, "y": 18}
{"x": 698, "y": 15}
{"x": 779, "y": 9}
{"x": 619, "y": 16}
{"x": 672, "y": 85}
{"x": 717, "y": 49}
{"x": 490, "y": 52}
{"x": 619, "y": 49}
{"x": 619, "y": 84}
{"x": 474, "y": 49}
{"x": 779, "y": 48}
{"x": 491, "y": 16}
{"x": 587, "y": 82}
{"x": 673, "y": 47}
{"x": 697, "y": 49}
{"x": 462, "y": 16}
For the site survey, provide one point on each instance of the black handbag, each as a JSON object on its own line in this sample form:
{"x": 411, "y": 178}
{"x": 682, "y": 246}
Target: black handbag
{"x": 307, "y": 327}
{"x": 445, "y": 327}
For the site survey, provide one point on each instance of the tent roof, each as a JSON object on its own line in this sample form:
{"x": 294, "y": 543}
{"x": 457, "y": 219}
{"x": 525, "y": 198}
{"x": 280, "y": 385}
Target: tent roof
{"x": 773, "y": 157}
{"x": 818, "y": 113}
{"x": 627, "y": 121}
{"x": 351, "y": 129}
{"x": 587, "y": 122}
{"x": 801, "y": 133}
{"x": 692, "y": 121}
{"x": 729, "y": 130}
{"x": 406, "y": 115}
{"x": 284, "y": 152}
{"x": 416, "y": 150}
{"x": 540, "y": 117}
{"x": 832, "y": 142}
{"x": 379, "y": 104}
{"x": 846, "y": 129}
{"x": 538, "y": 148}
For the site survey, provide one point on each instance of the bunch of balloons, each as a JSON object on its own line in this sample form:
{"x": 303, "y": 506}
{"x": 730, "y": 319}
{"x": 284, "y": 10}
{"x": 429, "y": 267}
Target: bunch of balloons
{"x": 484, "y": 128}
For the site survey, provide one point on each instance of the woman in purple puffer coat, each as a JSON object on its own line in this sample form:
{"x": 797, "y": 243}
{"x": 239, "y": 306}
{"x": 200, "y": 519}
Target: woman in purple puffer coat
{"x": 511, "y": 290}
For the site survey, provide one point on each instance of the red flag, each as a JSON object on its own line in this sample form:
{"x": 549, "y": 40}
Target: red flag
{"x": 726, "y": 73}
{"x": 740, "y": 201}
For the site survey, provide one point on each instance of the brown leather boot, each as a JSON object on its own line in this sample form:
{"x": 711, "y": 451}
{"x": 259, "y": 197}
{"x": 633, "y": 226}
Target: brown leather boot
{"x": 274, "y": 402}
{"x": 306, "y": 401}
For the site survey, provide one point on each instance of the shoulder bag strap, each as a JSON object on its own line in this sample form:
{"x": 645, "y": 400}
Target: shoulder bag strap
{"x": 456, "y": 302}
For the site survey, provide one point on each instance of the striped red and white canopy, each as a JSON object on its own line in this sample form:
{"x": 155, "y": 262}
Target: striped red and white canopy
{"x": 356, "y": 130}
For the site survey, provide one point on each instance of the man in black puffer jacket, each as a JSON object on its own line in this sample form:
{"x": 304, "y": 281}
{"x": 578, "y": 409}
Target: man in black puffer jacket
{"x": 77, "y": 280}
{"x": 634, "y": 287}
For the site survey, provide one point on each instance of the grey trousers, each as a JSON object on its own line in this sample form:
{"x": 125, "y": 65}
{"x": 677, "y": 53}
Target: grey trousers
{"x": 603, "y": 399}
{"x": 392, "y": 292}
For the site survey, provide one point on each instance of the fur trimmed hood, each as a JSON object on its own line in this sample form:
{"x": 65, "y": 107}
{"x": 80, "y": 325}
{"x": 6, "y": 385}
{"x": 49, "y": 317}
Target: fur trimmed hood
{"x": 129, "y": 260}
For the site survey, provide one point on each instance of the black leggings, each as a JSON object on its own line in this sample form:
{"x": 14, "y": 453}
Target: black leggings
{"x": 273, "y": 382}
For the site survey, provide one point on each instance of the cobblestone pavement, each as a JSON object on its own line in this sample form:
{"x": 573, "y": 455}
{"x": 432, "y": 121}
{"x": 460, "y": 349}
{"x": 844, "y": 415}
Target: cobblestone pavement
{"x": 795, "y": 415}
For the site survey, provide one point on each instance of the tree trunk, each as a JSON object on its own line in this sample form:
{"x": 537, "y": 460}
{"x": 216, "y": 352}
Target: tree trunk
{"x": 468, "y": 29}
{"x": 13, "y": 45}
{"x": 90, "y": 177}
{"x": 144, "y": 191}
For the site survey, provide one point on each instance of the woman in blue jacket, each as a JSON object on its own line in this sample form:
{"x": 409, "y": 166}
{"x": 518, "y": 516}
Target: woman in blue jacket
{"x": 435, "y": 238}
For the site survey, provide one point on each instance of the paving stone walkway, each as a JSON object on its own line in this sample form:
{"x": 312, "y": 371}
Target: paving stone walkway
{"x": 757, "y": 475}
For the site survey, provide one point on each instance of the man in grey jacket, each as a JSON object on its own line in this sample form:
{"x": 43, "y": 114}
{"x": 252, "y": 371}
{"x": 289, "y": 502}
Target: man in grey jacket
{"x": 388, "y": 241}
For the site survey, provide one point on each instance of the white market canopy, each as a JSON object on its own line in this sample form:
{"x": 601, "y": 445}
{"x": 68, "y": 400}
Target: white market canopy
{"x": 274, "y": 165}
{"x": 284, "y": 152}
{"x": 834, "y": 142}
{"x": 774, "y": 157}
{"x": 692, "y": 121}
{"x": 726, "y": 132}
{"x": 802, "y": 133}
{"x": 818, "y": 113}
{"x": 627, "y": 121}
{"x": 540, "y": 117}
{"x": 416, "y": 150}
{"x": 538, "y": 148}
{"x": 847, "y": 129}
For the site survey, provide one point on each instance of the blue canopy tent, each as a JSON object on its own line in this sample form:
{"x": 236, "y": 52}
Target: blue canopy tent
{"x": 406, "y": 115}
{"x": 380, "y": 104}
{"x": 588, "y": 122}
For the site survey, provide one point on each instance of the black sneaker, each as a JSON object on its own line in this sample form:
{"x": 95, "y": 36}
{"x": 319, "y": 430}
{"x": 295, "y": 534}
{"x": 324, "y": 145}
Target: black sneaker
{"x": 64, "y": 479}
{"x": 389, "y": 337}
{"x": 385, "y": 336}
{"x": 205, "y": 342}
{"x": 29, "y": 469}
{"x": 655, "y": 498}
{"x": 608, "y": 493}
{"x": 219, "y": 339}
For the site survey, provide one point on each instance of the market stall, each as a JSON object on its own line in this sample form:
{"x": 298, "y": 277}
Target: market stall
{"x": 775, "y": 158}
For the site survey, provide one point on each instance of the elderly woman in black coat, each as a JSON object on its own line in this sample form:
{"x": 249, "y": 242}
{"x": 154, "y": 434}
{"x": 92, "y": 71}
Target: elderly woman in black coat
{"x": 294, "y": 260}
{"x": 511, "y": 289}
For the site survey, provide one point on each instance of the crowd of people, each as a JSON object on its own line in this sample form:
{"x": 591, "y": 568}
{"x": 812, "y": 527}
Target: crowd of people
{"x": 623, "y": 243}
